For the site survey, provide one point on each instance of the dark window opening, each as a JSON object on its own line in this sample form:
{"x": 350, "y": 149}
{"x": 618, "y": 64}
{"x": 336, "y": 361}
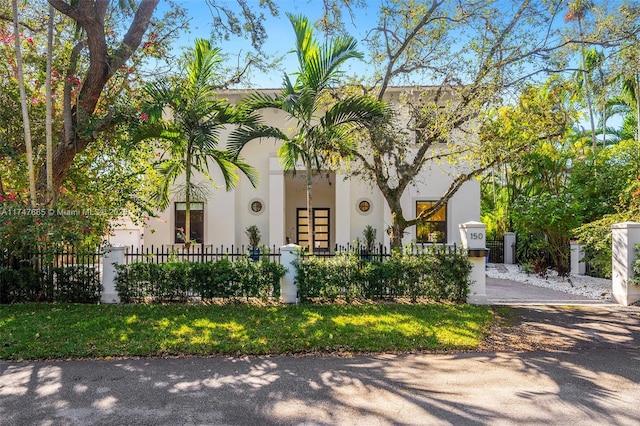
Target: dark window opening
{"x": 197, "y": 222}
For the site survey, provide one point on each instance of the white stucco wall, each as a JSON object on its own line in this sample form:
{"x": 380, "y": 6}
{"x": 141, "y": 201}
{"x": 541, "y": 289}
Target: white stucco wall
{"x": 228, "y": 214}
{"x": 360, "y": 190}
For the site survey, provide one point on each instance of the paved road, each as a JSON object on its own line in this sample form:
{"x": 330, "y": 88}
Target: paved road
{"x": 588, "y": 387}
{"x": 587, "y": 373}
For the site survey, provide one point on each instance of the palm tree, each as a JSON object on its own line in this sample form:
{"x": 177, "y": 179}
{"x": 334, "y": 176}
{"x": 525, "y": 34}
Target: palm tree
{"x": 320, "y": 125}
{"x": 188, "y": 115}
{"x": 577, "y": 11}
{"x": 630, "y": 89}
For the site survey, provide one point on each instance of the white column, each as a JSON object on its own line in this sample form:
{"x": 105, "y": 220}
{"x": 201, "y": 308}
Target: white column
{"x": 343, "y": 211}
{"x": 625, "y": 236}
{"x": 113, "y": 255}
{"x": 577, "y": 253}
{"x": 473, "y": 238}
{"x": 288, "y": 289}
{"x": 276, "y": 202}
{"x": 510, "y": 248}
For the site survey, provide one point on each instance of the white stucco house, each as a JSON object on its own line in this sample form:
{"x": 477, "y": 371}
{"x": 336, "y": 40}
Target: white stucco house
{"x": 342, "y": 206}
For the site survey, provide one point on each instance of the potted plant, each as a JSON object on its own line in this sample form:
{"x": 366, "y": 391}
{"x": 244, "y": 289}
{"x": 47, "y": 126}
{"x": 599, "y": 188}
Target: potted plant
{"x": 253, "y": 233}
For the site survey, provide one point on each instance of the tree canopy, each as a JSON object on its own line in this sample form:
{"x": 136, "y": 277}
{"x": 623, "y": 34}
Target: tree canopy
{"x": 486, "y": 84}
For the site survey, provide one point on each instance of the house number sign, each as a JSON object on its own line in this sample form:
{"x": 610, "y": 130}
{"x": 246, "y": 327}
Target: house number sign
{"x": 476, "y": 236}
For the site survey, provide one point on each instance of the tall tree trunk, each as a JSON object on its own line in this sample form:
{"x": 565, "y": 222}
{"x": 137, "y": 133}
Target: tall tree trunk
{"x": 635, "y": 95}
{"x": 395, "y": 233}
{"x": 398, "y": 222}
{"x": 25, "y": 111}
{"x": 187, "y": 202}
{"x": 587, "y": 91}
{"x": 49, "y": 102}
{"x": 310, "y": 236}
{"x": 604, "y": 125}
{"x": 103, "y": 63}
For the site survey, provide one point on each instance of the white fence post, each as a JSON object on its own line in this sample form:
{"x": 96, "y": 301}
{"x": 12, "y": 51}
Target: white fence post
{"x": 510, "y": 248}
{"x": 625, "y": 236}
{"x": 289, "y": 254}
{"x": 577, "y": 253}
{"x": 113, "y": 255}
{"x": 473, "y": 237}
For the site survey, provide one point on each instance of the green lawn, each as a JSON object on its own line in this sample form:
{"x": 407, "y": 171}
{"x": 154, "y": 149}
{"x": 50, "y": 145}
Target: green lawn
{"x": 47, "y": 331}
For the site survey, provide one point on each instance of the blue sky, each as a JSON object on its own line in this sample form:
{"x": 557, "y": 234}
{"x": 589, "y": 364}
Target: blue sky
{"x": 280, "y": 33}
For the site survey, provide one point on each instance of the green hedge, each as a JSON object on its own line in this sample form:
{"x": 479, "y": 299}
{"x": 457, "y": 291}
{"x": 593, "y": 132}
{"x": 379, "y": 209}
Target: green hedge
{"x": 180, "y": 281}
{"x": 439, "y": 274}
{"x": 73, "y": 284}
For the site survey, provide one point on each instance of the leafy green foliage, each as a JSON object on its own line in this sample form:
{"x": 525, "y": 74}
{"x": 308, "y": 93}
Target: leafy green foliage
{"x": 531, "y": 194}
{"x": 76, "y": 284}
{"x": 19, "y": 285}
{"x": 549, "y": 220}
{"x": 321, "y": 121}
{"x": 439, "y": 274}
{"x": 185, "y": 117}
{"x": 23, "y": 227}
{"x": 610, "y": 193}
{"x": 181, "y": 281}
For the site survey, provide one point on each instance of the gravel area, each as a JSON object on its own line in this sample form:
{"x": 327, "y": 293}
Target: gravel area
{"x": 594, "y": 288}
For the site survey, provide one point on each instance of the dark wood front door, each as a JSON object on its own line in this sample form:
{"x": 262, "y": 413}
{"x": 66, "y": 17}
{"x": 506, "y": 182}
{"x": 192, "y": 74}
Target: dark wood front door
{"x": 320, "y": 227}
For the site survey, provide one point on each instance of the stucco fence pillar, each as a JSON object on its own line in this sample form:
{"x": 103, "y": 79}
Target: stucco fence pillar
{"x": 473, "y": 236}
{"x": 289, "y": 255}
{"x": 625, "y": 236}
{"x": 577, "y": 254}
{"x": 113, "y": 255}
{"x": 510, "y": 248}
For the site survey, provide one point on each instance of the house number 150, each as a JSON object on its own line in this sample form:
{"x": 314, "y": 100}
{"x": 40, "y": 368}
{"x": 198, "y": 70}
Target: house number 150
{"x": 476, "y": 235}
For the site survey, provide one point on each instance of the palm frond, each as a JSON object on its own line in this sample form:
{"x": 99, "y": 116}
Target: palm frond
{"x": 241, "y": 136}
{"x": 306, "y": 45}
{"x": 159, "y": 95}
{"x": 356, "y": 110}
{"x": 159, "y": 130}
{"x": 170, "y": 170}
{"x": 248, "y": 170}
{"x": 257, "y": 101}
{"x": 334, "y": 54}
{"x": 201, "y": 67}
{"x": 229, "y": 165}
{"x": 291, "y": 153}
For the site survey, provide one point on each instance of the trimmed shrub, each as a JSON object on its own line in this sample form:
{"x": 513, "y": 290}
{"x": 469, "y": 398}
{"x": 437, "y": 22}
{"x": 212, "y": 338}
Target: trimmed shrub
{"x": 77, "y": 284}
{"x": 21, "y": 285}
{"x": 179, "y": 281}
{"x": 439, "y": 273}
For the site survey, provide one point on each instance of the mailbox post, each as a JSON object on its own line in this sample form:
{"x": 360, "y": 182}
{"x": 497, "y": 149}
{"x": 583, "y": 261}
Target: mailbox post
{"x": 473, "y": 236}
